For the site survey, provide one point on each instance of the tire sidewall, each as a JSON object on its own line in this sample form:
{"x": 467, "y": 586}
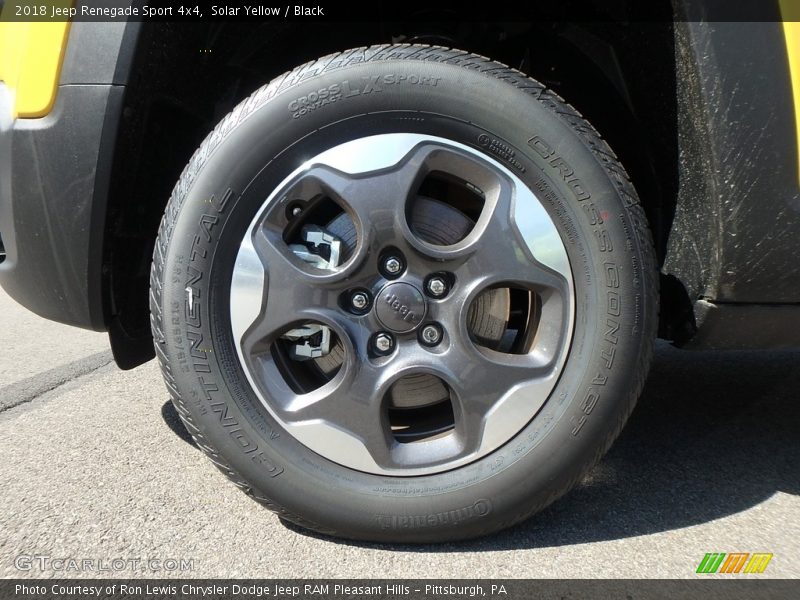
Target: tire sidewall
{"x": 248, "y": 155}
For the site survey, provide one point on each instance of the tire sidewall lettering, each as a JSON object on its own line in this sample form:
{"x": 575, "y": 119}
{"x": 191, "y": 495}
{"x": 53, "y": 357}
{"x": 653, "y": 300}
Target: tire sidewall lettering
{"x": 585, "y": 207}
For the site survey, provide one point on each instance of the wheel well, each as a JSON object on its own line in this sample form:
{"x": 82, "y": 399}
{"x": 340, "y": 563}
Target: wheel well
{"x": 185, "y": 78}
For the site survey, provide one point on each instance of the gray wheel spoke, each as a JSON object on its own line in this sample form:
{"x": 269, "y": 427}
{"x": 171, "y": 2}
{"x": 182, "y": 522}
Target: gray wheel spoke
{"x": 285, "y": 268}
{"x": 351, "y": 406}
{"x": 371, "y": 192}
{"x": 279, "y": 317}
{"x": 488, "y": 387}
{"x": 500, "y": 254}
{"x": 377, "y": 199}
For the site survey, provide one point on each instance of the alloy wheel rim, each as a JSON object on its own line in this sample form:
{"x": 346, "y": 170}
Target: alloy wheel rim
{"x": 292, "y": 304}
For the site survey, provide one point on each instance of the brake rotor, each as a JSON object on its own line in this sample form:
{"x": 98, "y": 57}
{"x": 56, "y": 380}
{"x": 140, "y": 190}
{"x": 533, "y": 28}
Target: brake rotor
{"x": 440, "y": 224}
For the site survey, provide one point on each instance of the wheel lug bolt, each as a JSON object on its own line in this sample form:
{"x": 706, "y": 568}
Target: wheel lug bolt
{"x": 359, "y": 300}
{"x": 383, "y": 343}
{"x": 437, "y": 287}
{"x": 296, "y": 211}
{"x": 431, "y": 335}
{"x": 392, "y": 265}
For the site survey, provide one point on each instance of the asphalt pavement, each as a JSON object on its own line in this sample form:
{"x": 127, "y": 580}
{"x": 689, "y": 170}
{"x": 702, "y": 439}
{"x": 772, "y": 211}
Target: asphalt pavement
{"x": 96, "y": 466}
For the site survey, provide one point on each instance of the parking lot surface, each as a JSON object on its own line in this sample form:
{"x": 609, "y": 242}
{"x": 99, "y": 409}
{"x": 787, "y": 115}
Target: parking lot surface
{"x": 97, "y": 466}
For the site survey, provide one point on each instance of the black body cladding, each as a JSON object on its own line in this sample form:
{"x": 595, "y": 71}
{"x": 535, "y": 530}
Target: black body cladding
{"x": 78, "y": 223}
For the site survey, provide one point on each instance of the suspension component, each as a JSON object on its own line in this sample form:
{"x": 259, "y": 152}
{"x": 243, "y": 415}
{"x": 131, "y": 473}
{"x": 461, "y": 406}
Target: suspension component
{"x": 315, "y": 338}
{"x": 322, "y": 249}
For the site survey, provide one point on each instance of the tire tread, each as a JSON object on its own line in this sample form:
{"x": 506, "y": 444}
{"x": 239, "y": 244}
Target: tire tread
{"x": 602, "y": 152}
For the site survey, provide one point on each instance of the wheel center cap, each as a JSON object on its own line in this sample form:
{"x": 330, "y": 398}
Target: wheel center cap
{"x": 400, "y": 307}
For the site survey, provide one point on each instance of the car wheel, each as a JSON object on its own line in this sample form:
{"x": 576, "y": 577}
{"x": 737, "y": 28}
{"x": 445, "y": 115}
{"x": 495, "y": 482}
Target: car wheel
{"x": 404, "y": 293}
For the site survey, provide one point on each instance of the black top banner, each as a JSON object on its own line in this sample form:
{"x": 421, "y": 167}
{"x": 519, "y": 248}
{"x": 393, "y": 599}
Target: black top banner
{"x": 407, "y": 11}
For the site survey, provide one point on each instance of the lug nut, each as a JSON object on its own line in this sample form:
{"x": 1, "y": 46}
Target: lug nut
{"x": 392, "y": 265}
{"x": 437, "y": 287}
{"x": 383, "y": 343}
{"x": 359, "y": 300}
{"x": 296, "y": 211}
{"x": 431, "y": 334}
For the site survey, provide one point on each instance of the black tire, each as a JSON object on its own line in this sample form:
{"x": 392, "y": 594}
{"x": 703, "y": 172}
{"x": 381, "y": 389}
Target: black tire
{"x": 455, "y": 95}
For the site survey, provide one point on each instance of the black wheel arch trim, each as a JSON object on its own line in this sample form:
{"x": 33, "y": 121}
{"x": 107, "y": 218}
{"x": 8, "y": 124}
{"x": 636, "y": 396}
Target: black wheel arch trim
{"x": 58, "y": 167}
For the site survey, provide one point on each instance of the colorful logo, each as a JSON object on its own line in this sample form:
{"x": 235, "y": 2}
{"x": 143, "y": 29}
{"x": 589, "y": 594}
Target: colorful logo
{"x": 735, "y": 562}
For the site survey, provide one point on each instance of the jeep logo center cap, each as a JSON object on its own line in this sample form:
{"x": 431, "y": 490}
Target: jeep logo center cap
{"x": 400, "y": 307}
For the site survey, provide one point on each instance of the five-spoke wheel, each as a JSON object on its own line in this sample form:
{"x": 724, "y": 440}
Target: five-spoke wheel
{"x": 410, "y": 312}
{"x": 405, "y": 294}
